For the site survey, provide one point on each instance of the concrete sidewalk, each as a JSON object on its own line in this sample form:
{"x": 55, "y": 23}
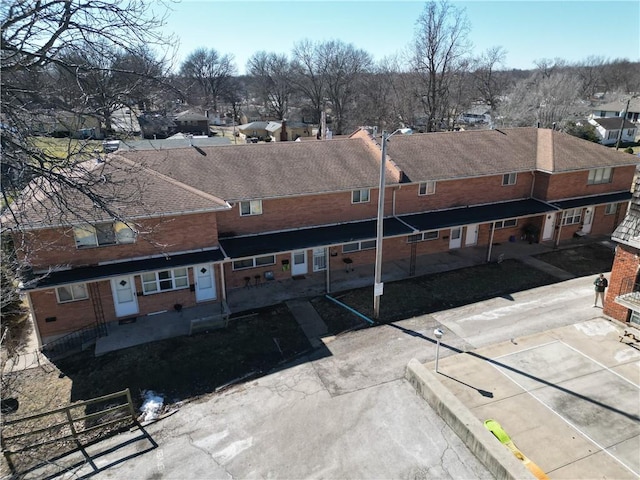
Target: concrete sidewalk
{"x": 312, "y": 325}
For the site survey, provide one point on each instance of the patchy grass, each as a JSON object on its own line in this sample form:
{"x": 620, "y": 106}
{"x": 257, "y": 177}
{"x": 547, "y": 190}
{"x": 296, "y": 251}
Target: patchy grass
{"x": 64, "y": 147}
{"x": 585, "y": 260}
{"x": 431, "y": 293}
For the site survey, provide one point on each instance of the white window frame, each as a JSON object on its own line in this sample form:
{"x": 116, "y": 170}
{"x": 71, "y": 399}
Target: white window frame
{"x": 358, "y": 195}
{"x": 599, "y": 176}
{"x": 424, "y": 236}
{"x": 507, "y": 223}
{"x": 610, "y": 208}
{"x": 254, "y": 207}
{"x": 509, "y": 179}
{"x": 88, "y": 236}
{"x": 612, "y": 134}
{"x": 177, "y": 280}
{"x": 358, "y": 246}
{"x": 573, "y": 216}
{"x": 261, "y": 261}
{"x": 427, "y": 188}
{"x": 78, "y": 291}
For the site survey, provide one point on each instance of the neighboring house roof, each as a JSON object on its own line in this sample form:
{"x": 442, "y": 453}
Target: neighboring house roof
{"x": 273, "y": 126}
{"x": 619, "y": 106}
{"x": 450, "y": 155}
{"x": 613, "y": 123}
{"x": 279, "y": 169}
{"x": 254, "y": 126}
{"x": 628, "y": 232}
{"x": 190, "y": 117}
{"x": 135, "y": 192}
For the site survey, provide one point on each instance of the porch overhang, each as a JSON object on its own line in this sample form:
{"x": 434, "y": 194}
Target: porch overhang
{"x": 456, "y": 217}
{"x": 593, "y": 200}
{"x": 101, "y": 272}
{"x": 314, "y": 237}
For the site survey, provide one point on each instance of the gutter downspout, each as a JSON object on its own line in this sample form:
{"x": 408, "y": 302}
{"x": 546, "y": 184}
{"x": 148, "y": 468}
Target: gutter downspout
{"x": 328, "y": 275}
{"x": 493, "y": 227}
{"x": 533, "y": 183}
{"x": 33, "y": 320}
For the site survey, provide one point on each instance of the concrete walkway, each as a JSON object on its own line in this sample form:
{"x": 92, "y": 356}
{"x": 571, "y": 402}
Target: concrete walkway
{"x": 312, "y": 325}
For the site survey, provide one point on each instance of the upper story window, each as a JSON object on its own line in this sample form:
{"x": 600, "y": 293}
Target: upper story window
{"x": 600, "y": 175}
{"x": 251, "y": 207}
{"x": 103, "y": 234}
{"x": 571, "y": 216}
{"x": 603, "y": 113}
{"x": 164, "y": 280}
{"x": 360, "y": 196}
{"x": 72, "y": 293}
{"x": 427, "y": 188}
{"x": 509, "y": 178}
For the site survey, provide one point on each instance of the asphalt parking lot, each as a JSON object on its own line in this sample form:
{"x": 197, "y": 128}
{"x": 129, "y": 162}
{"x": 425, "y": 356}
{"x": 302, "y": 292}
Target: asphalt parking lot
{"x": 569, "y": 397}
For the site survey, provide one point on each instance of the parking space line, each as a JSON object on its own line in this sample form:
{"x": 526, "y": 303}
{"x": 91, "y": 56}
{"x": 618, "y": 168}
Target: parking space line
{"x": 529, "y": 392}
{"x": 604, "y": 367}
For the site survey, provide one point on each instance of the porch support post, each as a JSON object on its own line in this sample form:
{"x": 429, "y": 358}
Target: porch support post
{"x": 558, "y": 229}
{"x": 493, "y": 227}
{"x": 223, "y": 286}
{"x": 328, "y": 274}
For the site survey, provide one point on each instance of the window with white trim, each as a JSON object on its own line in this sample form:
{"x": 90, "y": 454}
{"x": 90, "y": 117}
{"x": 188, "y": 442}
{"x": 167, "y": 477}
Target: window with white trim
{"x": 250, "y": 207}
{"x": 612, "y": 134}
{"x": 600, "y": 175}
{"x": 427, "y": 188}
{"x": 419, "y": 237}
{"x": 72, "y": 293}
{"x": 509, "y": 179}
{"x": 571, "y": 216}
{"x": 610, "y": 208}
{"x": 357, "y": 246}
{"x": 102, "y": 234}
{"x": 510, "y": 222}
{"x": 254, "y": 262}
{"x": 164, "y": 280}
{"x": 360, "y": 196}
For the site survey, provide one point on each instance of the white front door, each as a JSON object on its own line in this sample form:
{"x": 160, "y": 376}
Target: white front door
{"x": 299, "y": 261}
{"x": 587, "y": 220}
{"x": 471, "y": 237}
{"x": 455, "y": 238}
{"x": 319, "y": 259}
{"x": 549, "y": 224}
{"x": 205, "y": 282}
{"x": 125, "y": 300}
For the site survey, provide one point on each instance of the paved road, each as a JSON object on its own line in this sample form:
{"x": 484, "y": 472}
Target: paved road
{"x": 348, "y": 412}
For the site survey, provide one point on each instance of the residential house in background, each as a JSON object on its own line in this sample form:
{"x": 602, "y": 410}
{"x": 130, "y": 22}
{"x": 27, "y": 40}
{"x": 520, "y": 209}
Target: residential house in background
{"x": 610, "y": 128}
{"x": 617, "y": 109}
{"x": 288, "y": 131}
{"x": 192, "y": 122}
{"x": 200, "y": 225}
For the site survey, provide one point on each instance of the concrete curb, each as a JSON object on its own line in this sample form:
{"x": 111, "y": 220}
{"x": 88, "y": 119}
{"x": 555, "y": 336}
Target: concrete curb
{"x": 496, "y": 458}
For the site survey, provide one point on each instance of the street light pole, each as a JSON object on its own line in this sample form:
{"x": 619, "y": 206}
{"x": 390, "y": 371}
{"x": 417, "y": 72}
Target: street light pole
{"x": 378, "y": 286}
{"x": 438, "y": 333}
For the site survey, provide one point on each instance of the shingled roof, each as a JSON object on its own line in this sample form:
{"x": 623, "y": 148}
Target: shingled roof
{"x": 280, "y": 169}
{"x": 452, "y": 155}
{"x": 628, "y": 232}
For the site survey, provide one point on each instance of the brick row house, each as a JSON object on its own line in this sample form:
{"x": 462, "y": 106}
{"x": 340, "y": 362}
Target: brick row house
{"x": 196, "y": 224}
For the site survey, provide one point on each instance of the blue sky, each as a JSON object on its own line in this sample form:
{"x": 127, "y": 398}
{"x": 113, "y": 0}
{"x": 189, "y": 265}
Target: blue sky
{"x": 528, "y": 30}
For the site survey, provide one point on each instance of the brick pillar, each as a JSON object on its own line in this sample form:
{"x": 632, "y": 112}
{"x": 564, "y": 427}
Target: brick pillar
{"x": 625, "y": 265}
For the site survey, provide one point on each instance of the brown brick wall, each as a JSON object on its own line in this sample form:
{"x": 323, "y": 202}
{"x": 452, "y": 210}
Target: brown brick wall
{"x": 171, "y": 234}
{"x": 297, "y": 212}
{"x": 73, "y": 316}
{"x": 457, "y": 193}
{"x": 574, "y": 184}
{"x": 625, "y": 266}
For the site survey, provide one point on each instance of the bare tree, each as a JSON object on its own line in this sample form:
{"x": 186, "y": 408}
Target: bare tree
{"x": 488, "y": 81}
{"x": 439, "y": 52}
{"x": 309, "y": 79}
{"x": 34, "y": 36}
{"x": 209, "y": 72}
{"x": 272, "y": 79}
{"x": 344, "y": 69}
